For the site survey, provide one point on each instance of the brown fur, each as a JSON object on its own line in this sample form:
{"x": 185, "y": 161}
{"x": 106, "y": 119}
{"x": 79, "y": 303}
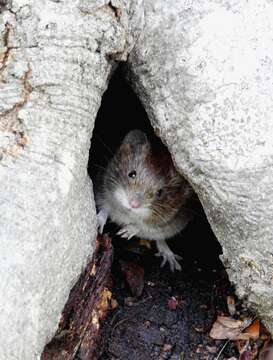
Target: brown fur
{"x": 155, "y": 171}
{"x": 161, "y": 193}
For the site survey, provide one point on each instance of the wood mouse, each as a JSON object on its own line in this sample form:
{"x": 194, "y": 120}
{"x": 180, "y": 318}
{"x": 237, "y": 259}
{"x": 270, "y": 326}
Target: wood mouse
{"x": 141, "y": 191}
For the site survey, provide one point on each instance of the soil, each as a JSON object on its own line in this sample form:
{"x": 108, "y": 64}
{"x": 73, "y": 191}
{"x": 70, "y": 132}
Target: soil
{"x": 126, "y": 307}
{"x": 172, "y": 317}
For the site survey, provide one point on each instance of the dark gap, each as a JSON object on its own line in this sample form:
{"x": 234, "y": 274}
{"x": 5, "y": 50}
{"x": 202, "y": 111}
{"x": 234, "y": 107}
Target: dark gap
{"x": 120, "y": 112}
{"x": 141, "y": 326}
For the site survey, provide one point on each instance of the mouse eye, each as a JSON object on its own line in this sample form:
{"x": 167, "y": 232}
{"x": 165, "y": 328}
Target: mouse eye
{"x": 132, "y": 174}
{"x": 159, "y": 192}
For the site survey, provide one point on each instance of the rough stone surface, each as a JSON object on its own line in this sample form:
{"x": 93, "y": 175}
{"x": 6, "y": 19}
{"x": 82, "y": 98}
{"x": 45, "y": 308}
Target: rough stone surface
{"x": 203, "y": 70}
{"x": 55, "y": 61}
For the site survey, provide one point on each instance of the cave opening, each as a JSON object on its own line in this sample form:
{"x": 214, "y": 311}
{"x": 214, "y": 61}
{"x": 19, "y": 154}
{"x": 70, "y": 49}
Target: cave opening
{"x": 120, "y": 112}
{"x": 144, "y": 320}
{"x": 125, "y": 305}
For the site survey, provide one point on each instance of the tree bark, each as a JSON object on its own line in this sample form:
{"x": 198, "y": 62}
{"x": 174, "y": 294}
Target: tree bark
{"x": 203, "y": 71}
{"x": 89, "y": 302}
{"x": 56, "y": 60}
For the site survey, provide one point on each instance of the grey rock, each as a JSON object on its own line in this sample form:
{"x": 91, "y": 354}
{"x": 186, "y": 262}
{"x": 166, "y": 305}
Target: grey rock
{"x": 203, "y": 71}
{"x": 54, "y": 70}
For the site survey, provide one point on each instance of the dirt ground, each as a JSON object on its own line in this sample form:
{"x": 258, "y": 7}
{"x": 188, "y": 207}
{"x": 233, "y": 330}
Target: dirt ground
{"x": 172, "y": 317}
{"x": 126, "y": 307}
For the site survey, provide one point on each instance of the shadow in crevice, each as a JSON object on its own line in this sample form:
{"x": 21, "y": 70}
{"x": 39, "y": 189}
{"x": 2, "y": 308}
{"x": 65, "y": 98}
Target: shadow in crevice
{"x": 120, "y": 112}
{"x": 202, "y": 278}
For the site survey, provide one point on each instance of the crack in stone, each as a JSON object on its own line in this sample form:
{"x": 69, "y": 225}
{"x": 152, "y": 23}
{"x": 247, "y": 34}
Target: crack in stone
{"x": 117, "y": 11}
{"x": 27, "y": 89}
{"x": 14, "y": 136}
{"x": 11, "y": 125}
{"x": 115, "y": 56}
{"x": 6, "y": 45}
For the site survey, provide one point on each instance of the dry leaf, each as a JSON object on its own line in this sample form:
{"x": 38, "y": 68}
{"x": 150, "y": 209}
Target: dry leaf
{"x": 242, "y": 345}
{"x": 129, "y": 301}
{"x": 246, "y": 355}
{"x": 200, "y": 349}
{"x": 199, "y": 329}
{"x": 167, "y": 347}
{"x": 212, "y": 349}
{"x": 229, "y": 328}
{"x": 172, "y": 303}
{"x": 253, "y": 331}
{"x": 267, "y": 351}
{"x": 145, "y": 243}
{"x": 254, "y": 351}
{"x": 264, "y": 333}
{"x": 114, "y": 304}
{"x": 147, "y": 324}
{"x": 134, "y": 275}
{"x": 225, "y": 328}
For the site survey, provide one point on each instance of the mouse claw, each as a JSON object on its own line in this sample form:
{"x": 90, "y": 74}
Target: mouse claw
{"x": 163, "y": 262}
{"x": 171, "y": 259}
{"x": 119, "y": 232}
{"x": 130, "y": 237}
{"x": 101, "y": 220}
{"x": 168, "y": 256}
{"x": 178, "y": 257}
{"x": 122, "y": 232}
{"x": 127, "y": 232}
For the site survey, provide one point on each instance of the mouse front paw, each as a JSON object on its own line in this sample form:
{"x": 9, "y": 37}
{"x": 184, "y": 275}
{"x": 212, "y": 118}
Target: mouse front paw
{"x": 168, "y": 256}
{"x": 101, "y": 219}
{"x": 171, "y": 259}
{"x": 127, "y": 231}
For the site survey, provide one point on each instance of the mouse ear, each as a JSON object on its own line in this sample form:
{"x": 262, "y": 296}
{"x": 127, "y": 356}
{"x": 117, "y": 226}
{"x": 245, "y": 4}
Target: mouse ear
{"x": 136, "y": 139}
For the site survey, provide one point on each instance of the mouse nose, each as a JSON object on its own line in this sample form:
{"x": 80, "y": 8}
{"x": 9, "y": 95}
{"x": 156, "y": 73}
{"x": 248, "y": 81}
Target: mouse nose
{"x": 134, "y": 203}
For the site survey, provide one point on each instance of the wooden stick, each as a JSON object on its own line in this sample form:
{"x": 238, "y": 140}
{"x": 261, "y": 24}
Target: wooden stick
{"x": 88, "y": 305}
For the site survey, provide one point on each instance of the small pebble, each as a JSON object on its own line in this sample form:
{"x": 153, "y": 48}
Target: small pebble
{"x": 114, "y": 304}
{"x": 129, "y": 301}
{"x": 167, "y": 347}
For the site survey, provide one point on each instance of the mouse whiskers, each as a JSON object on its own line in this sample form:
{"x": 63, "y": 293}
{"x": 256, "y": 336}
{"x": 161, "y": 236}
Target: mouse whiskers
{"x": 103, "y": 143}
{"x": 159, "y": 215}
{"x": 111, "y": 180}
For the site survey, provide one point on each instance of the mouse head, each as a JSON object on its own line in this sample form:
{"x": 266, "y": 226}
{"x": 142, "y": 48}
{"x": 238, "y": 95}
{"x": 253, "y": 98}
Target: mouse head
{"x": 142, "y": 178}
